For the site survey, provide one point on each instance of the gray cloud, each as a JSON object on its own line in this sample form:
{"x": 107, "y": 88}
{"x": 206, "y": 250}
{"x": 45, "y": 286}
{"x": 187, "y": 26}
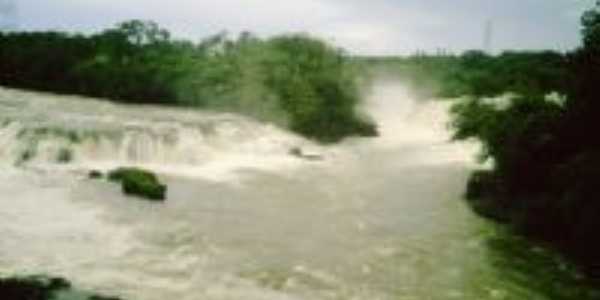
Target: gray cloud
{"x": 361, "y": 26}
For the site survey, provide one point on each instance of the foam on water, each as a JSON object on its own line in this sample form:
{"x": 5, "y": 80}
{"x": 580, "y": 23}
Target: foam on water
{"x": 417, "y": 127}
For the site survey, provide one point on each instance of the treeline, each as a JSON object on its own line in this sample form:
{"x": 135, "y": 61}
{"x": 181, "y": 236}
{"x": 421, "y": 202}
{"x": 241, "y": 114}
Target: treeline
{"x": 475, "y": 72}
{"x": 295, "y": 80}
{"x": 546, "y": 156}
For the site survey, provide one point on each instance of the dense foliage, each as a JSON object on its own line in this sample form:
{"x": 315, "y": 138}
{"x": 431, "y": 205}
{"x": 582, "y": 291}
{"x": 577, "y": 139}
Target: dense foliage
{"x": 41, "y": 288}
{"x": 294, "y": 80}
{"x": 546, "y": 160}
{"x": 31, "y": 288}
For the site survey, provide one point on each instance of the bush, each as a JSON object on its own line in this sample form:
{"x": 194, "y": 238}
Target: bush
{"x": 316, "y": 87}
{"x": 31, "y": 288}
{"x": 139, "y": 182}
{"x": 41, "y": 288}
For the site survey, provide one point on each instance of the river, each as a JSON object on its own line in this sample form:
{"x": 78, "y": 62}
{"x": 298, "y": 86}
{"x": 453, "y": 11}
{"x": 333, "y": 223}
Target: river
{"x": 372, "y": 219}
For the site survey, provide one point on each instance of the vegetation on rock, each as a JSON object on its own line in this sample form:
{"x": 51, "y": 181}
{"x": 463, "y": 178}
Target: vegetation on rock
{"x": 140, "y": 183}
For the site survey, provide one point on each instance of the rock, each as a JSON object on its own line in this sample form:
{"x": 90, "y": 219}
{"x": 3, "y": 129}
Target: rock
{"x": 298, "y": 152}
{"x": 95, "y": 174}
{"x": 139, "y": 182}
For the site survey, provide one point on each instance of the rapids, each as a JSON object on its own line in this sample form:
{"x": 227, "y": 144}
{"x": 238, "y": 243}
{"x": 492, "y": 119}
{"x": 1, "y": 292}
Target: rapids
{"x": 374, "y": 219}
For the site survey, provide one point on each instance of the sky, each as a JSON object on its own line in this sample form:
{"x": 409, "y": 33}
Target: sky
{"x": 363, "y": 27}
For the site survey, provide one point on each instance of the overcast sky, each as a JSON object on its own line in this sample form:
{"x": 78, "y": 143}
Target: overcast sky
{"x": 380, "y": 27}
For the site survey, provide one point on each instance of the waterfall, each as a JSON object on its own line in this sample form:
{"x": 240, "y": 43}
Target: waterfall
{"x": 46, "y": 131}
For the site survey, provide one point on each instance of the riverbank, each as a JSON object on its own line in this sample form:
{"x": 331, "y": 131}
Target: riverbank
{"x": 546, "y": 166}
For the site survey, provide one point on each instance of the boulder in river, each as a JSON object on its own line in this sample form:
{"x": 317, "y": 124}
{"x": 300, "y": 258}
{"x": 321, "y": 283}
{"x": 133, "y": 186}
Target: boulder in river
{"x": 95, "y": 174}
{"x": 139, "y": 182}
{"x": 300, "y": 153}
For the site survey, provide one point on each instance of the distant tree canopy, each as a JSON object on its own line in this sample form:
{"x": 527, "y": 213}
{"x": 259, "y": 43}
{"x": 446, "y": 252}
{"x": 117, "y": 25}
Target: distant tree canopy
{"x": 591, "y": 29}
{"x": 294, "y": 80}
{"x": 546, "y": 158}
{"x": 476, "y": 73}
{"x": 125, "y": 63}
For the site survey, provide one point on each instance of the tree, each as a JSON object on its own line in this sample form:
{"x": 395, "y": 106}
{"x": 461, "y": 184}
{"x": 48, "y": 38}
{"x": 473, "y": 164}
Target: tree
{"x": 591, "y": 28}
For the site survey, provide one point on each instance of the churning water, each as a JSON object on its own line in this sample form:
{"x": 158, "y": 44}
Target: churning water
{"x": 374, "y": 219}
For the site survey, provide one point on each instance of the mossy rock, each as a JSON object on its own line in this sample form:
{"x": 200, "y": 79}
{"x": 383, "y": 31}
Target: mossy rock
{"x": 139, "y": 182}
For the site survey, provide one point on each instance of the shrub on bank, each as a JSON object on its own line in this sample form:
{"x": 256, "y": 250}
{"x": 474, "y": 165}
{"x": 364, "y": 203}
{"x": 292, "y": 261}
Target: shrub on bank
{"x": 31, "y": 288}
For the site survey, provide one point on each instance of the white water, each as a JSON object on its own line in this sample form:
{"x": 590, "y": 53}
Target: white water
{"x": 102, "y": 135}
{"x": 376, "y": 219}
